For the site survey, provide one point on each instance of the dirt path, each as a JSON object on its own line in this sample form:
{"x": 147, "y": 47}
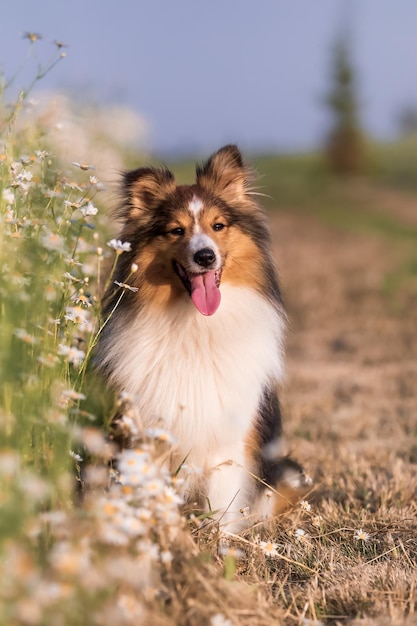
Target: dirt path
{"x": 351, "y": 393}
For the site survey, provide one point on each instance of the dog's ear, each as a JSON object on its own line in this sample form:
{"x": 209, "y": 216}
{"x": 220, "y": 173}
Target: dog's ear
{"x": 144, "y": 189}
{"x": 225, "y": 174}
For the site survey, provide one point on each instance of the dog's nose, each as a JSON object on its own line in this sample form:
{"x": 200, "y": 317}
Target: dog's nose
{"x": 205, "y": 257}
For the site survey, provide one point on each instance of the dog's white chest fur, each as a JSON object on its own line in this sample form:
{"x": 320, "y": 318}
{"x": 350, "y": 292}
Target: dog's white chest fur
{"x": 201, "y": 377}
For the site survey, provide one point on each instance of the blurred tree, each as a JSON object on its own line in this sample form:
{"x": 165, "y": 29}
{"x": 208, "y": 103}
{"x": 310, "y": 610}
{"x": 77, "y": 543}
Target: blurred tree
{"x": 345, "y": 145}
{"x": 407, "y": 120}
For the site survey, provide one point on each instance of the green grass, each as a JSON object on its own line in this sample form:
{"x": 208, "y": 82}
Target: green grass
{"x": 394, "y": 164}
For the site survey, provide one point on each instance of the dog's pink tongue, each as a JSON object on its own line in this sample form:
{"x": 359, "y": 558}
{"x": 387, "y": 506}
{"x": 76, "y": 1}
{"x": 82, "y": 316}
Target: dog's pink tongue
{"x": 205, "y": 293}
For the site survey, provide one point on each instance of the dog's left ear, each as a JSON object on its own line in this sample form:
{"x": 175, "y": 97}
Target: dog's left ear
{"x": 225, "y": 174}
{"x": 143, "y": 190}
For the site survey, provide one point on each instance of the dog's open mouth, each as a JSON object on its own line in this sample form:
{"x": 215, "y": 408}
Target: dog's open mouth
{"x": 203, "y": 288}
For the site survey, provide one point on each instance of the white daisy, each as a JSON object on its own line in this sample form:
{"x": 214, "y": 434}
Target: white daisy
{"x": 74, "y": 355}
{"x": 83, "y": 166}
{"x": 53, "y": 241}
{"x": 89, "y": 209}
{"x": 120, "y": 246}
{"x": 269, "y": 548}
{"x": 8, "y": 196}
{"x": 301, "y": 535}
{"x": 361, "y": 535}
{"x": 126, "y": 286}
{"x": 160, "y": 434}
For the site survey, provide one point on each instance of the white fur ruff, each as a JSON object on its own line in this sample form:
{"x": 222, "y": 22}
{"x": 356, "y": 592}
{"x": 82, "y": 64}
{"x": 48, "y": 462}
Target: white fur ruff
{"x": 202, "y": 378}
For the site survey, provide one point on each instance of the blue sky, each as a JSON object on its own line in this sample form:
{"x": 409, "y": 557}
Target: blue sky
{"x": 204, "y": 73}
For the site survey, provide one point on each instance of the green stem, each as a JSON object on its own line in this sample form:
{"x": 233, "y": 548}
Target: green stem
{"x": 94, "y": 340}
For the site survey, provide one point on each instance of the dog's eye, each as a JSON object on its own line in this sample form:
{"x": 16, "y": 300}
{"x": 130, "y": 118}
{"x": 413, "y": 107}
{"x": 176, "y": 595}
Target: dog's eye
{"x": 178, "y": 232}
{"x": 218, "y": 226}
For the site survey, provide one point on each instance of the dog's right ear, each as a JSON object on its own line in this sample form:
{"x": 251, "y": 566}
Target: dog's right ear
{"x": 226, "y": 175}
{"x": 144, "y": 189}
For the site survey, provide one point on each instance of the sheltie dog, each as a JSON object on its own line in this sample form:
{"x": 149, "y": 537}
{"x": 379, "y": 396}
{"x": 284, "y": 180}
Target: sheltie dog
{"x": 197, "y": 338}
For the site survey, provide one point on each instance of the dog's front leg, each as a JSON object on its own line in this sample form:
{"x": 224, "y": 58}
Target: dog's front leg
{"x": 230, "y": 488}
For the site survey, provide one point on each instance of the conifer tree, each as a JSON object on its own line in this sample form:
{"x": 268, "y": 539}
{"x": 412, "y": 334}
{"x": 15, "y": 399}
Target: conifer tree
{"x": 344, "y": 147}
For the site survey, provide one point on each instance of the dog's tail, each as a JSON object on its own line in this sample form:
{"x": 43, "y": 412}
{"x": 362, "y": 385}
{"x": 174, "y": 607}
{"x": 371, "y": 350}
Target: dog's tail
{"x": 287, "y": 484}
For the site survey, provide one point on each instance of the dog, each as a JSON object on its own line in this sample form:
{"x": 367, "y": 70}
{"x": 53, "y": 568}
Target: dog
{"x": 194, "y": 331}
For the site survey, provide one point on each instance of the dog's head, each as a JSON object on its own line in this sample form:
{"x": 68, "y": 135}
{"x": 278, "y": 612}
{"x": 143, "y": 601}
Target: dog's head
{"x": 191, "y": 238}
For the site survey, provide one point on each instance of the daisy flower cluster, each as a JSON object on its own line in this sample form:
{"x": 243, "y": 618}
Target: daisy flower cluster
{"x": 107, "y": 557}
{"x": 111, "y": 555}
{"x": 142, "y": 503}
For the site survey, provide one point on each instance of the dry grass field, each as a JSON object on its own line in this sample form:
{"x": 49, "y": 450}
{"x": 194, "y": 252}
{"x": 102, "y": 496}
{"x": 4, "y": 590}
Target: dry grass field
{"x": 351, "y": 417}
